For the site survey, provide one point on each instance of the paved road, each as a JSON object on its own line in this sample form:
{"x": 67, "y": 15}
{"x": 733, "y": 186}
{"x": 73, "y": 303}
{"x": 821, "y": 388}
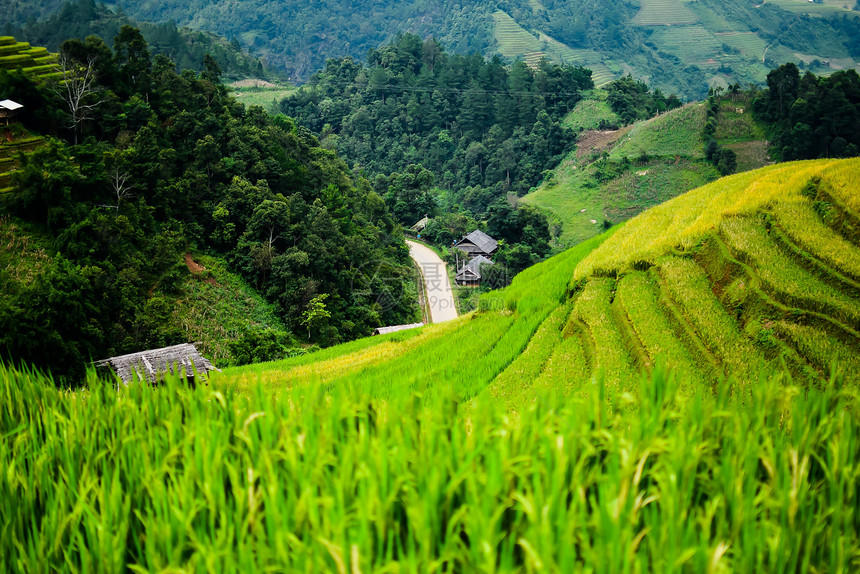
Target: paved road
{"x": 439, "y": 295}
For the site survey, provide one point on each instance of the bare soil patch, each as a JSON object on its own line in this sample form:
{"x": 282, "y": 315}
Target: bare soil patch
{"x": 596, "y": 141}
{"x": 194, "y": 267}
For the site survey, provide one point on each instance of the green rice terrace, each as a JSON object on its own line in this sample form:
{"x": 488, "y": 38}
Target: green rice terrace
{"x": 514, "y": 41}
{"x": 15, "y": 140}
{"x": 35, "y": 62}
{"x": 677, "y": 394}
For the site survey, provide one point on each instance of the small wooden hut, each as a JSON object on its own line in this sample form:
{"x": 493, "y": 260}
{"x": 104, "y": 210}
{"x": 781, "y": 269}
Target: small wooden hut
{"x": 155, "y": 364}
{"x": 9, "y": 109}
{"x": 470, "y": 274}
{"x": 395, "y": 328}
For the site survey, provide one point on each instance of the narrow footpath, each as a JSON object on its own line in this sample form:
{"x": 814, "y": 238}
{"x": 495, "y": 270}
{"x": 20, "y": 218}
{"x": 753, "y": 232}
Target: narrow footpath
{"x": 440, "y": 298}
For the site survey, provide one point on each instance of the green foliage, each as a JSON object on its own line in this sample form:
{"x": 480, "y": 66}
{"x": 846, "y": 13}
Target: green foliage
{"x": 178, "y": 164}
{"x": 186, "y": 47}
{"x": 681, "y": 47}
{"x": 262, "y": 344}
{"x": 333, "y": 480}
{"x": 472, "y": 123}
{"x": 316, "y": 315}
{"x": 632, "y": 100}
{"x": 812, "y": 116}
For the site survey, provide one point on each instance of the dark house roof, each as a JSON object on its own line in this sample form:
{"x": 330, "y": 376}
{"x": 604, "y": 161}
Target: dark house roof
{"x": 153, "y": 364}
{"x": 482, "y": 242}
{"x": 471, "y": 271}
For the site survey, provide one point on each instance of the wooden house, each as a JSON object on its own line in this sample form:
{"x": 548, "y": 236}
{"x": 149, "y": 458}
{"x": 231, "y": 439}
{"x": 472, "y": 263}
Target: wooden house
{"x": 155, "y": 364}
{"x": 9, "y": 109}
{"x": 477, "y": 243}
{"x": 470, "y": 274}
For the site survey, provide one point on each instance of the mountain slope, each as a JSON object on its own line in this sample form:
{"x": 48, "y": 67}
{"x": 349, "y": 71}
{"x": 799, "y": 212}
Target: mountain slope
{"x": 681, "y": 47}
{"x": 366, "y": 457}
{"x": 731, "y": 279}
{"x": 615, "y": 174}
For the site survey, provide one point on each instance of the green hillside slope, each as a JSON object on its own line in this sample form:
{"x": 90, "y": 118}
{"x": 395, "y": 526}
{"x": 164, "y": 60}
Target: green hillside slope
{"x": 615, "y": 174}
{"x": 734, "y": 278}
{"x": 680, "y": 46}
{"x": 369, "y": 457}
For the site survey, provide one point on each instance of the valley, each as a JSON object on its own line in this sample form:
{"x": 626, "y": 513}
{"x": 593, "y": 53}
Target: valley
{"x": 229, "y": 341}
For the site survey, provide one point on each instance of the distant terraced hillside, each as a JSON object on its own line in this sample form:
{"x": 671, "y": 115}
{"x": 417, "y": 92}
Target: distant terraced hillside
{"x": 732, "y": 279}
{"x": 513, "y": 41}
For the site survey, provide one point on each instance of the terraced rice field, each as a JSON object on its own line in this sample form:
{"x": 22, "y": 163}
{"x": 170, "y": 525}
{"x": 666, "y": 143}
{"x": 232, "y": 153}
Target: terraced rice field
{"x": 36, "y": 62}
{"x": 9, "y": 156}
{"x": 515, "y": 41}
{"x": 827, "y": 8}
{"x": 749, "y": 43}
{"x": 520, "y": 438}
{"x": 693, "y": 44}
{"x": 729, "y": 279}
{"x": 664, "y": 13}
{"x": 594, "y": 61}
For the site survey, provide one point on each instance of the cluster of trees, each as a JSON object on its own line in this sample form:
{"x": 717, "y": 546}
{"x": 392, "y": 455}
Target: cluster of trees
{"x": 170, "y": 162}
{"x": 632, "y": 100}
{"x": 416, "y": 118}
{"x": 185, "y": 47}
{"x": 723, "y": 158}
{"x": 297, "y": 37}
{"x": 811, "y": 116}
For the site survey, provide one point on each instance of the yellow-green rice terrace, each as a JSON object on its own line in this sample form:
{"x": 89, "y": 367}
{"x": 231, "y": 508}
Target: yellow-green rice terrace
{"x": 679, "y": 394}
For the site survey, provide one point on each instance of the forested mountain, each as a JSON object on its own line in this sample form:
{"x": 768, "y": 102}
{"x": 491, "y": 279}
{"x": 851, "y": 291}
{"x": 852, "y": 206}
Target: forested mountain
{"x": 447, "y": 135}
{"x": 169, "y": 163}
{"x": 678, "y": 46}
{"x": 184, "y": 46}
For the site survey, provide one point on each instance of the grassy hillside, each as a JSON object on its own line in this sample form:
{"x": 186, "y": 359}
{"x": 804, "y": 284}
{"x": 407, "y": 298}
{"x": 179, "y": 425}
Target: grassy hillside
{"x": 544, "y": 448}
{"x": 615, "y": 174}
{"x": 733, "y": 278}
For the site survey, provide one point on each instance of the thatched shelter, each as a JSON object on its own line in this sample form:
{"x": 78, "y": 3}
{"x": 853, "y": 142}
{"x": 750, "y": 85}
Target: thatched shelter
{"x": 153, "y": 365}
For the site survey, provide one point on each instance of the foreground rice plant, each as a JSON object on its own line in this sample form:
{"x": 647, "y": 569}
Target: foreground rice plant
{"x": 760, "y": 477}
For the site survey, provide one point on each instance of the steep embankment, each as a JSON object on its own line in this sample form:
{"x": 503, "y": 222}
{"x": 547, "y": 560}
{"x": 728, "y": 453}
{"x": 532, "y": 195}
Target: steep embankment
{"x": 734, "y": 278}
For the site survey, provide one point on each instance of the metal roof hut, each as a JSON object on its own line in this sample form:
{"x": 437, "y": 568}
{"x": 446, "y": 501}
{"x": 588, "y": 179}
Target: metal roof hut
{"x": 477, "y": 243}
{"x": 9, "y": 109}
{"x": 395, "y": 328}
{"x": 154, "y": 364}
{"x": 470, "y": 274}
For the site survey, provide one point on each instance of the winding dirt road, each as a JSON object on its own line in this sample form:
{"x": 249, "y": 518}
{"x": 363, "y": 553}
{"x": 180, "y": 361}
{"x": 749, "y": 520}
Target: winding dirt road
{"x": 440, "y": 298}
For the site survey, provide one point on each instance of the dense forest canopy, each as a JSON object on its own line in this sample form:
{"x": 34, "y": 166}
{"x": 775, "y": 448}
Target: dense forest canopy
{"x": 680, "y": 47}
{"x": 184, "y": 46}
{"x": 416, "y": 118}
{"x": 169, "y": 162}
{"x": 812, "y": 116}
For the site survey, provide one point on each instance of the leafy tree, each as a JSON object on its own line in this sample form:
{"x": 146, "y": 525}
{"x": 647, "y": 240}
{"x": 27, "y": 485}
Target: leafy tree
{"x": 316, "y": 314}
